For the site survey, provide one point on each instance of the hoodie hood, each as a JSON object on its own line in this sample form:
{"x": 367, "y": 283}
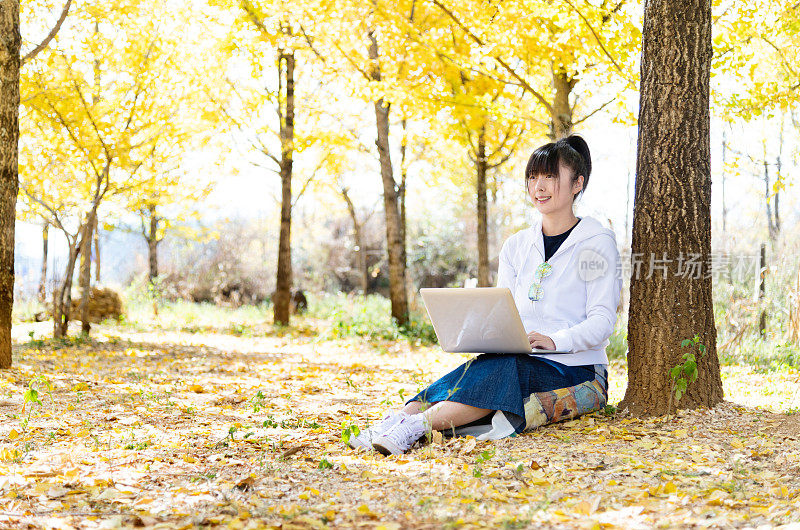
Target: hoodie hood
{"x": 588, "y": 227}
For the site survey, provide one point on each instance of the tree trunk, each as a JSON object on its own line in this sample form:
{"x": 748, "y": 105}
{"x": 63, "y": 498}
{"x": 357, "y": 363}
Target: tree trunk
{"x": 62, "y": 296}
{"x": 394, "y": 242}
{"x": 482, "y": 209}
{"x": 561, "y": 120}
{"x": 152, "y": 245}
{"x": 283, "y": 282}
{"x": 42, "y": 293}
{"x": 10, "y": 41}
{"x": 401, "y": 201}
{"x": 358, "y": 236}
{"x": 672, "y": 211}
{"x": 85, "y": 273}
{"x": 770, "y": 224}
{"x": 96, "y": 245}
{"x": 724, "y": 207}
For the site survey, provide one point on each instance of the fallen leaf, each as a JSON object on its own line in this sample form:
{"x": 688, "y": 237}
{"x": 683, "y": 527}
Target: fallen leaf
{"x": 292, "y": 450}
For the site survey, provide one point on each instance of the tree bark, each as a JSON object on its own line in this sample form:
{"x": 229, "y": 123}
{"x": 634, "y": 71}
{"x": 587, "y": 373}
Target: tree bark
{"x": 770, "y": 225}
{"x": 10, "y": 41}
{"x": 672, "y": 211}
{"x": 401, "y": 201}
{"x": 42, "y": 292}
{"x": 96, "y": 245}
{"x": 283, "y": 283}
{"x": 62, "y": 296}
{"x": 358, "y": 236}
{"x": 482, "y": 209}
{"x": 724, "y": 203}
{"x": 561, "y": 120}
{"x": 394, "y": 242}
{"x": 85, "y": 272}
{"x": 152, "y": 244}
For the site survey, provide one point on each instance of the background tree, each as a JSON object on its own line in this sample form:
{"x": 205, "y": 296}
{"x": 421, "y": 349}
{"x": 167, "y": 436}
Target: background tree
{"x": 10, "y": 64}
{"x": 102, "y": 128}
{"x": 672, "y": 212}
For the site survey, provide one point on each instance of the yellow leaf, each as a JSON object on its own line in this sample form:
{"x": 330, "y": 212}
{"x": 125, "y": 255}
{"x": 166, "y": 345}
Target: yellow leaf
{"x": 716, "y": 497}
{"x": 13, "y": 435}
{"x": 79, "y": 387}
{"x": 669, "y": 487}
{"x": 197, "y": 389}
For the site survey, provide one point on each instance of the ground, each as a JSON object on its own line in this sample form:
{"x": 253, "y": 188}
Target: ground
{"x": 213, "y": 429}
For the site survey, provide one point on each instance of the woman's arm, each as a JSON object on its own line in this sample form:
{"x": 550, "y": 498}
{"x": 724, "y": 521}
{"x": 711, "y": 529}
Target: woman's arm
{"x": 602, "y": 297}
{"x": 506, "y": 273}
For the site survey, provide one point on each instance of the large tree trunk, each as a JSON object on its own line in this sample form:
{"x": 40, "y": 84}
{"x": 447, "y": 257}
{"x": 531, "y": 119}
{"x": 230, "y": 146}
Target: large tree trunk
{"x": 561, "y": 120}
{"x": 357, "y": 234}
{"x": 482, "y": 209}
{"x": 10, "y": 41}
{"x": 42, "y": 293}
{"x": 85, "y": 273}
{"x": 283, "y": 282}
{"x": 672, "y": 211}
{"x": 394, "y": 230}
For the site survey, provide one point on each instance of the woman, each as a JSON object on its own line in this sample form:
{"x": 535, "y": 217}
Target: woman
{"x": 563, "y": 274}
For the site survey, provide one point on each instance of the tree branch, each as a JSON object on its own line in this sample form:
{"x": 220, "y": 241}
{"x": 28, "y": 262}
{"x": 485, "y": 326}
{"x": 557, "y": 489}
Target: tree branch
{"x": 42, "y": 45}
{"x": 499, "y": 59}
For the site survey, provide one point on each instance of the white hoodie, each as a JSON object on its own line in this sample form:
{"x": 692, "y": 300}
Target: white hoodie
{"x": 578, "y": 309}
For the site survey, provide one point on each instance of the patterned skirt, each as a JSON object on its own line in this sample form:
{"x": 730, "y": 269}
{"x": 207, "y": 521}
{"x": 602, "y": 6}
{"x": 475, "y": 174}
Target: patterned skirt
{"x": 522, "y": 391}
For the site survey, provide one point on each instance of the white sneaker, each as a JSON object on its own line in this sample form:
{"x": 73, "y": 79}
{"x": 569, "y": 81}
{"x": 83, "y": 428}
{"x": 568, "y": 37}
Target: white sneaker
{"x": 402, "y": 436}
{"x": 367, "y": 436}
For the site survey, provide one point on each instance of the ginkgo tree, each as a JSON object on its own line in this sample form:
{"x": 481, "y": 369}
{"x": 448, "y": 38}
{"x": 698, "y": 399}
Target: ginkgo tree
{"x": 102, "y": 105}
{"x": 572, "y": 59}
{"x": 273, "y": 100}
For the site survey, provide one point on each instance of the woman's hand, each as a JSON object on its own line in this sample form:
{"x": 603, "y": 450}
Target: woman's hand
{"x": 540, "y": 341}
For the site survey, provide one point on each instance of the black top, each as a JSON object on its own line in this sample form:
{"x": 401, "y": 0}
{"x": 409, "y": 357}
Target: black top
{"x": 551, "y": 243}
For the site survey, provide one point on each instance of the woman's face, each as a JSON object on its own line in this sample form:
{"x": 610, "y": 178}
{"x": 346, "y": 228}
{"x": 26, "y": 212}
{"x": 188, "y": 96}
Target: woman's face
{"x": 554, "y": 193}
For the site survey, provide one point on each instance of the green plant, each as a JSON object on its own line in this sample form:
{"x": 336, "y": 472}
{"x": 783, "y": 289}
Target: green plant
{"x": 324, "y": 464}
{"x": 258, "y": 401}
{"x": 35, "y": 343}
{"x": 685, "y": 373}
{"x": 349, "y": 430}
{"x": 482, "y": 458}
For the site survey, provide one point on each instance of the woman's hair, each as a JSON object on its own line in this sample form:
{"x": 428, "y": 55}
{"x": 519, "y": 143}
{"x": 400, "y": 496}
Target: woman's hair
{"x": 571, "y": 151}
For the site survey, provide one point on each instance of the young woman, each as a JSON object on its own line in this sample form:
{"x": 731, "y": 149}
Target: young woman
{"x": 563, "y": 274}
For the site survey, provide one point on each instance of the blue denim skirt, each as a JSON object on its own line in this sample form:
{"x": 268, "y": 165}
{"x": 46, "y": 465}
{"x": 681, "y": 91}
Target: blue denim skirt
{"x": 502, "y": 381}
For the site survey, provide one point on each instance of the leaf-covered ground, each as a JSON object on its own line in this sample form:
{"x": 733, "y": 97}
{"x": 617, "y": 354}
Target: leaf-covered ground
{"x": 211, "y": 430}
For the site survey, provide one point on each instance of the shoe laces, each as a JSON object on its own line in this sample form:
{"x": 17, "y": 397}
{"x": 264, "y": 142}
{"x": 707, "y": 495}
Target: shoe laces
{"x": 379, "y": 428}
{"x": 408, "y": 431}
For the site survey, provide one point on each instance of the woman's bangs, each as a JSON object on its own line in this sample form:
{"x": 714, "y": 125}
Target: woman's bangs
{"x": 543, "y": 161}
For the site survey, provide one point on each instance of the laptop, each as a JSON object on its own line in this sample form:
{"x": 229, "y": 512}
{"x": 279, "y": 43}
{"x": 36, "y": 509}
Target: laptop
{"x": 478, "y": 320}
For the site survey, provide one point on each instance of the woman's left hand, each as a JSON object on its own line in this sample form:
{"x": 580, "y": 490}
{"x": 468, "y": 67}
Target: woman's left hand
{"x": 543, "y": 342}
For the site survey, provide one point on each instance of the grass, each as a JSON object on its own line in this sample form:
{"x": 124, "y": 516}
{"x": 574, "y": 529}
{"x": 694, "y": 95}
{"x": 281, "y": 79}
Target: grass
{"x": 368, "y": 317}
{"x": 340, "y": 316}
